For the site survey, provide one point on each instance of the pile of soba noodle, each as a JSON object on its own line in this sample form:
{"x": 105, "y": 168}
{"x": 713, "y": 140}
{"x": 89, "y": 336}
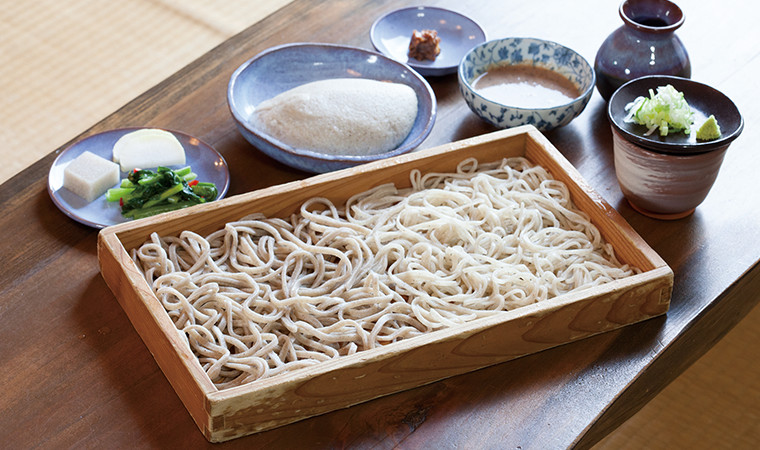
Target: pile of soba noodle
{"x": 265, "y": 295}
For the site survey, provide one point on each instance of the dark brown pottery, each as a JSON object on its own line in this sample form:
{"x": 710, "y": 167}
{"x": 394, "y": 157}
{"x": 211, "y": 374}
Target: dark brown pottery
{"x": 646, "y": 44}
{"x": 668, "y": 177}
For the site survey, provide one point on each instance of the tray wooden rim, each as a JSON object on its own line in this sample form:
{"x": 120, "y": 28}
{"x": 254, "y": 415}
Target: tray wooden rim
{"x": 209, "y": 406}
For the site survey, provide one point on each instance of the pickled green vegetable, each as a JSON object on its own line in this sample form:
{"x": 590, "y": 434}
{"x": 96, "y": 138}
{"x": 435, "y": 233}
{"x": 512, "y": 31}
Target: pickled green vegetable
{"x": 145, "y": 193}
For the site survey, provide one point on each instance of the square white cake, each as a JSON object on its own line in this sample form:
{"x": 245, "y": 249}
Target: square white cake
{"x": 90, "y": 176}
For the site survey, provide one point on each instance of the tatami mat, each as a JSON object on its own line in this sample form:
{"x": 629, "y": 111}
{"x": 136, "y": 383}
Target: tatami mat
{"x": 64, "y": 65}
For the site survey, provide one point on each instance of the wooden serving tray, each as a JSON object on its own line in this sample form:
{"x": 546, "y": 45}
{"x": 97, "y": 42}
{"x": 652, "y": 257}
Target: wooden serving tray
{"x": 348, "y": 380}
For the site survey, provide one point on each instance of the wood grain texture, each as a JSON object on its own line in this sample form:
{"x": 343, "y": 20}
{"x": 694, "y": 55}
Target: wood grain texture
{"x": 81, "y": 376}
{"x": 350, "y": 380}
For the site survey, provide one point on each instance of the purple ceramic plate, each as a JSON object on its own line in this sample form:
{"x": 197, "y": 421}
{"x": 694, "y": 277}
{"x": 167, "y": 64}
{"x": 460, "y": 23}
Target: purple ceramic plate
{"x": 703, "y": 100}
{"x": 391, "y": 33}
{"x": 204, "y": 160}
{"x": 279, "y": 69}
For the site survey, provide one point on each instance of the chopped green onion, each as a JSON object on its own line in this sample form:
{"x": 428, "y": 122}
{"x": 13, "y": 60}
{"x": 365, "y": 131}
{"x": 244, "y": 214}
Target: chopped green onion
{"x": 666, "y": 110}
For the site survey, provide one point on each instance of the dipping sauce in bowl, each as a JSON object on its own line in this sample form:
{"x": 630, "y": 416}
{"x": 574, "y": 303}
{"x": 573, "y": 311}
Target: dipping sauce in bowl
{"x": 525, "y": 81}
{"x": 527, "y": 86}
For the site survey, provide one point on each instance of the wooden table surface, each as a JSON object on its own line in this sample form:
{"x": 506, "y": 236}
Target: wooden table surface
{"x": 76, "y": 373}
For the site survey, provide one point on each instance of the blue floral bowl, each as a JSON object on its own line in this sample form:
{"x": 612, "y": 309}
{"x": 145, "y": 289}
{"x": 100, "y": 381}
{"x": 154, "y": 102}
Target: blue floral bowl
{"x": 536, "y": 52}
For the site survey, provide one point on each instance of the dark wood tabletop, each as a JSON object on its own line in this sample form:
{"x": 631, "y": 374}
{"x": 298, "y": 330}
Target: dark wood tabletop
{"x": 76, "y": 374}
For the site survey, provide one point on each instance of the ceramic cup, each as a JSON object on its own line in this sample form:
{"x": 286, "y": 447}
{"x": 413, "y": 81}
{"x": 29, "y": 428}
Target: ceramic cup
{"x": 667, "y": 177}
{"x": 661, "y": 185}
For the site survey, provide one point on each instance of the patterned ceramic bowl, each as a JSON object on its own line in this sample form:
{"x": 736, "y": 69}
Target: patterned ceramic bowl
{"x": 535, "y": 52}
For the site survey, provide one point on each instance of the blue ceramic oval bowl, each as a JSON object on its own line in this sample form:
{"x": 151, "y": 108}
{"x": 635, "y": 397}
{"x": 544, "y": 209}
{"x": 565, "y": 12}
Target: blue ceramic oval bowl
{"x": 282, "y": 68}
{"x": 537, "y": 52}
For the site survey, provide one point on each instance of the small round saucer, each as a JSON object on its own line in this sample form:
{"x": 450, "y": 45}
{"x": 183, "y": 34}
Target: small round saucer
{"x": 204, "y": 160}
{"x": 391, "y": 33}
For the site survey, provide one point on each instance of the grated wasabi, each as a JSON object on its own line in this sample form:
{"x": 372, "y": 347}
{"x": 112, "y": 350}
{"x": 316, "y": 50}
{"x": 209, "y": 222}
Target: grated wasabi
{"x": 709, "y": 130}
{"x": 666, "y": 110}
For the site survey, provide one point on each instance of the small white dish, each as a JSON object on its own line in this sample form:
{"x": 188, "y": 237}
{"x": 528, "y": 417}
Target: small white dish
{"x": 391, "y": 33}
{"x": 201, "y": 157}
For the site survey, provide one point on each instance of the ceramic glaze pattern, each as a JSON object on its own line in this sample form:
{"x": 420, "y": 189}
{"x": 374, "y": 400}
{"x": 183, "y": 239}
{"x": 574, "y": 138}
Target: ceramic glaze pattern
{"x": 546, "y": 54}
{"x": 661, "y": 185}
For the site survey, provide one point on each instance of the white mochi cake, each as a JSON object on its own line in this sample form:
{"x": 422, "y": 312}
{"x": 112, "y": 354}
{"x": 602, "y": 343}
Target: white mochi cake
{"x": 90, "y": 176}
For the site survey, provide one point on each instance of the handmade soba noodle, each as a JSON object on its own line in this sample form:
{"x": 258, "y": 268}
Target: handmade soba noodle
{"x": 265, "y": 295}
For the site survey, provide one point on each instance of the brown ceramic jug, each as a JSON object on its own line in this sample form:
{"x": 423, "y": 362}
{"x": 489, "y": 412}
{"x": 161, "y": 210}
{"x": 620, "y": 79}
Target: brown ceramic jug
{"x": 646, "y": 44}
